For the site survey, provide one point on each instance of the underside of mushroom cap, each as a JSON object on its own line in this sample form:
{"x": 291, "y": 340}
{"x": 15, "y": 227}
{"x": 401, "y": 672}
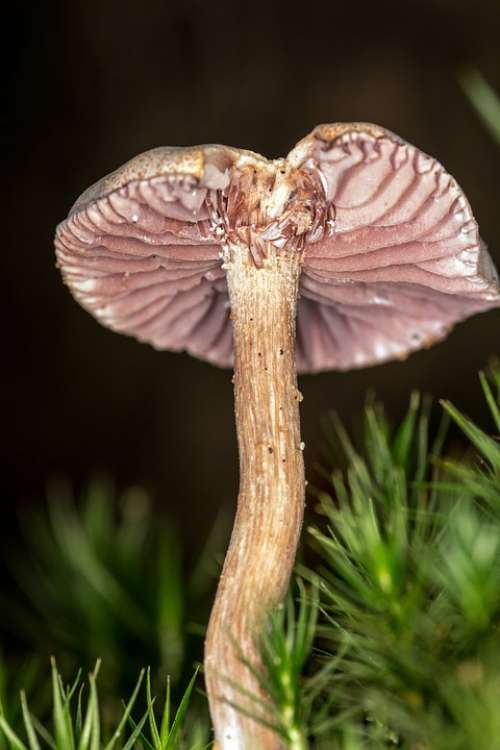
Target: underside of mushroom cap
{"x": 404, "y": 262}
{"x": 391, "y": 251}
{"x": 140, "y": 250}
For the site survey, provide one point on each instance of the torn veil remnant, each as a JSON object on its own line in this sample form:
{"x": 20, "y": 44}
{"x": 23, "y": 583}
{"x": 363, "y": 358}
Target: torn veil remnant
{"x": 355, "y": 249}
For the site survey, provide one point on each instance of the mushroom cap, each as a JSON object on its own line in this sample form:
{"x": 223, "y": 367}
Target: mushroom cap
{"x": 391, "y": 252}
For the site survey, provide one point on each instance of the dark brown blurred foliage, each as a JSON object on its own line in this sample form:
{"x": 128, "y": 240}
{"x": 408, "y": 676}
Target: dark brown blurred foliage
{"x": 90, "y": 84}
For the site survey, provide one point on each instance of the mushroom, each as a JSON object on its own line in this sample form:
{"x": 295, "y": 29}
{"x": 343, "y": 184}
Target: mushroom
{"x": 355, "y": 249}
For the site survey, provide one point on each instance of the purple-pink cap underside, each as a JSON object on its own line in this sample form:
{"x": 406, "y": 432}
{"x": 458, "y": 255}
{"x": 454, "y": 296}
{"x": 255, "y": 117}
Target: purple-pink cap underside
{"x": 403, "y": 264}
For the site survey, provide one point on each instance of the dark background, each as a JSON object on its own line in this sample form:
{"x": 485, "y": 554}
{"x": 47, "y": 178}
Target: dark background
{"x": 92, "y": 83}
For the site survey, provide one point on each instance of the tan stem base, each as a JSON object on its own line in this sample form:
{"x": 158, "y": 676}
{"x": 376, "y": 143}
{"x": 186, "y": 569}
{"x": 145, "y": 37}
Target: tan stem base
{"x": 271, "y": 498}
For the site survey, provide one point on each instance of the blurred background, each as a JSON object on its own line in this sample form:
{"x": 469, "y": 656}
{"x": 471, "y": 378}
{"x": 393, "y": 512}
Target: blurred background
{"x": 89, "y": 84}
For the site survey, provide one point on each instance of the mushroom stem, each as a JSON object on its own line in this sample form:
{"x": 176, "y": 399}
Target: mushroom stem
{"x": 270, "y": 510}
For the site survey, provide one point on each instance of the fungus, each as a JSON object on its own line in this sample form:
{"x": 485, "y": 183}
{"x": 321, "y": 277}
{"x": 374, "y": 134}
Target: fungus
{"x": 355, "y": 249}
